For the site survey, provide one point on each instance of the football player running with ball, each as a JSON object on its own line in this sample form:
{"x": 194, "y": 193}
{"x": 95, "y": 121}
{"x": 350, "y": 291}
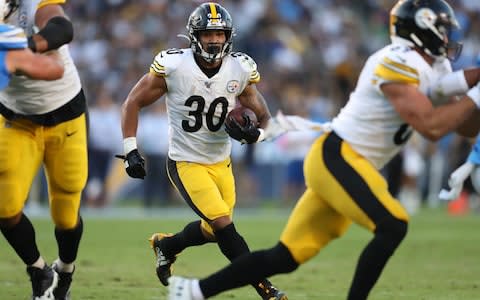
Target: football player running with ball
{"x": 402, "y": 87}
{"x": 43, "y": 123}
{"x": 202, "y": 85}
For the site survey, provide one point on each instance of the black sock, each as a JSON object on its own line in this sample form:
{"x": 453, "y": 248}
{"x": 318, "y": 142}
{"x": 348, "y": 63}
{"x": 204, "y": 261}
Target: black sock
{"x": 231, "y": 243}
{"x": 374, "y": 257}
{"x": 253, "y": 267}
{"x": 22, "y": 239}
{"x": 191, "y": 235}
{"x": 68, "y": 242}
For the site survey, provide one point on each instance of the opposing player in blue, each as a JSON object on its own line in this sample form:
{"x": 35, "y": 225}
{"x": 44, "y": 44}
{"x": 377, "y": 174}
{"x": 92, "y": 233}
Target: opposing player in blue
{"x": 17, "y": 58}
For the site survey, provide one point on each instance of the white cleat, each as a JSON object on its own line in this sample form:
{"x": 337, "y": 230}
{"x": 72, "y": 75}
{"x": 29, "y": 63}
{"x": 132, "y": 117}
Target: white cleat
{"x": 180, "y": 288}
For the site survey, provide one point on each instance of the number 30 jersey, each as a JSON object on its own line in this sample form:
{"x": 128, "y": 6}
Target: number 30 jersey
{"x": 198, "y": 105}
{"x": 369, "y": 122}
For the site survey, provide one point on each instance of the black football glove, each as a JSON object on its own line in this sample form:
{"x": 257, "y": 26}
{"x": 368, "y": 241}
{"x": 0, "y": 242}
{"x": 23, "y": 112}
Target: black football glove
{"x": 247, "y": 134}
{"x": 134, "y": 164}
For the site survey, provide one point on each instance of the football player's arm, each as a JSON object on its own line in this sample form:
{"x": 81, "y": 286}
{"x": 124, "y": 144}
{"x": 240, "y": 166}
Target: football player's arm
{"x": 471, "y": 126}
{"x": 56, "y": 29}
{"x": 458, "y": 83}
{"x": 35, "y": 66}
{"x": 146, "y": 91}
{"x": 417, "y": 110}
{"x": 253, "y": 99}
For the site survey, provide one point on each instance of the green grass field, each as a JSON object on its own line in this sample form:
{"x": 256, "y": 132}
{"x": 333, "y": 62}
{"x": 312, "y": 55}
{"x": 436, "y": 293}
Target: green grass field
{"x": 440, "y": 259}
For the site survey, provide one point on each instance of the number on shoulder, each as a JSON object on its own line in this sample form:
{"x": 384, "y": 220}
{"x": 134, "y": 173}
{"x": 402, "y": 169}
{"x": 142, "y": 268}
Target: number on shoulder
{"x": 166, "y": 61}
{"x": 248, "y": 64}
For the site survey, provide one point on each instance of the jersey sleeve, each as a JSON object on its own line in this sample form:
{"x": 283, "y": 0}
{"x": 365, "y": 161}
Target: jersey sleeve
{"x": 395, "y": 67}
{"x": 12, "y": 37}
{"x": 248, "y": 65}
{"x": 165, "y": 62}
{"x": 43, "y": 3}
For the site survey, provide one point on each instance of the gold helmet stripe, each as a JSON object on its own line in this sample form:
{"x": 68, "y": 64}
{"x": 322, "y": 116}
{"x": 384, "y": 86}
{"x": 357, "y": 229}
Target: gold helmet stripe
{"x": 213, "y": 10}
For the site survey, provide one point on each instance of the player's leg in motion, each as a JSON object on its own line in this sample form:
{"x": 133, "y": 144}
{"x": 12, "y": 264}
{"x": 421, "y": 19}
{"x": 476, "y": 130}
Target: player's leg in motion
{"x": 365, "y": 200}
{"x": 20, "y": 158}
{"x": 210, "y": 191}
{"x": 66, "y": 168}
{"x": 333, "y": 173}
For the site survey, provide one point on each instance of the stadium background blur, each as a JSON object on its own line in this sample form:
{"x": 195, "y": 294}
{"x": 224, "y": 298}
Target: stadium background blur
{"x": 309, "y": 53}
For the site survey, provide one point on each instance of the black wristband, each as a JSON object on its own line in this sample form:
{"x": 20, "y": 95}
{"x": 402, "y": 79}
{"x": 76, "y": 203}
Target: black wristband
{"x": 31, "y": 44}
{"x": 57, "y": 32}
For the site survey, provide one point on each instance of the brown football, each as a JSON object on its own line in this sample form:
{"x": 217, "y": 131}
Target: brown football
{"x": 239, "y": 113}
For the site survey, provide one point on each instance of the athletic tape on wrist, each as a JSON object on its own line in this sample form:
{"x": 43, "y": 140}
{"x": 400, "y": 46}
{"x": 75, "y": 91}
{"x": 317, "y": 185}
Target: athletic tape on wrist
{"x": 129, "y": 144}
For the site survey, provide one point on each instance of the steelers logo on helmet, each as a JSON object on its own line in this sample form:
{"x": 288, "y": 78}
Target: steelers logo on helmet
{"x": 426, "y": 24}
{"x": 210, "y": 16}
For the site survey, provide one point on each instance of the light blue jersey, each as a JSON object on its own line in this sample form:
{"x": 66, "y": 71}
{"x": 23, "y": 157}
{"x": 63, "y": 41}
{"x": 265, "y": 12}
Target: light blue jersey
{"x": 474, "y": 156}
{"x": 11, "y": 38}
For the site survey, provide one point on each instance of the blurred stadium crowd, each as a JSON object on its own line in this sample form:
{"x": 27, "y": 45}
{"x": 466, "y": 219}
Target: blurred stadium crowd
{"x": 309, "y": 53}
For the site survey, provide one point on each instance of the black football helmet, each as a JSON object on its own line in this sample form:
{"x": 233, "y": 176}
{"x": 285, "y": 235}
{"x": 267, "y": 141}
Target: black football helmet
{"x": 210, "y": 16}
{"x": 427, "y": 24}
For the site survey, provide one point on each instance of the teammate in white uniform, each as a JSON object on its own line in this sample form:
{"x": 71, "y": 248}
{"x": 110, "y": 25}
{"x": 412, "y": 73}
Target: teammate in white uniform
{"x": 402, "y": 87}
{"x": 202, "y": 85}
{"x": 17, "y": 58}
{"x": 43, "y": 122}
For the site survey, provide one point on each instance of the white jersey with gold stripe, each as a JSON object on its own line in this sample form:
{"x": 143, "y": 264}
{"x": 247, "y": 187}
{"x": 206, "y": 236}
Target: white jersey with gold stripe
{"x": 28, "y": 96}
{"x": 369, "y": 122}
{"x": 198, "y": 105}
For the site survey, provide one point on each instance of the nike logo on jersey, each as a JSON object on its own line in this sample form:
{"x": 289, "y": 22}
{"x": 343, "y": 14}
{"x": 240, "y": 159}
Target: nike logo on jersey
{"x": 71, "y": 133}
{"x": 208, "y": 84}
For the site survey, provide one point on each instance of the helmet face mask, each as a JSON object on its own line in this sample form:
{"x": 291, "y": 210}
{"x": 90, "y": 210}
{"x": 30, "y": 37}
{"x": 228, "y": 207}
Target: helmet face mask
{"x": 210, "y": 16}
{"x": 427, "y": 24}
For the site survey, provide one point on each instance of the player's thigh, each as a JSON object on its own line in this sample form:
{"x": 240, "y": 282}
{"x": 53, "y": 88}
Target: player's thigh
{"x": 20, "y": 158}
{"x": 311, "y": 225}
{"x": 350, "y": 184}
{"x": 198, "y": 186}
{"x": 66, "y": 166}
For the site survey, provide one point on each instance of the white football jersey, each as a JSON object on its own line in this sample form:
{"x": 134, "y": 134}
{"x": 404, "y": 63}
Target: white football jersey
{"x": 369, "y": 122}
{"x": 197, "y": 105}
{"x": 31, "y": 97}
